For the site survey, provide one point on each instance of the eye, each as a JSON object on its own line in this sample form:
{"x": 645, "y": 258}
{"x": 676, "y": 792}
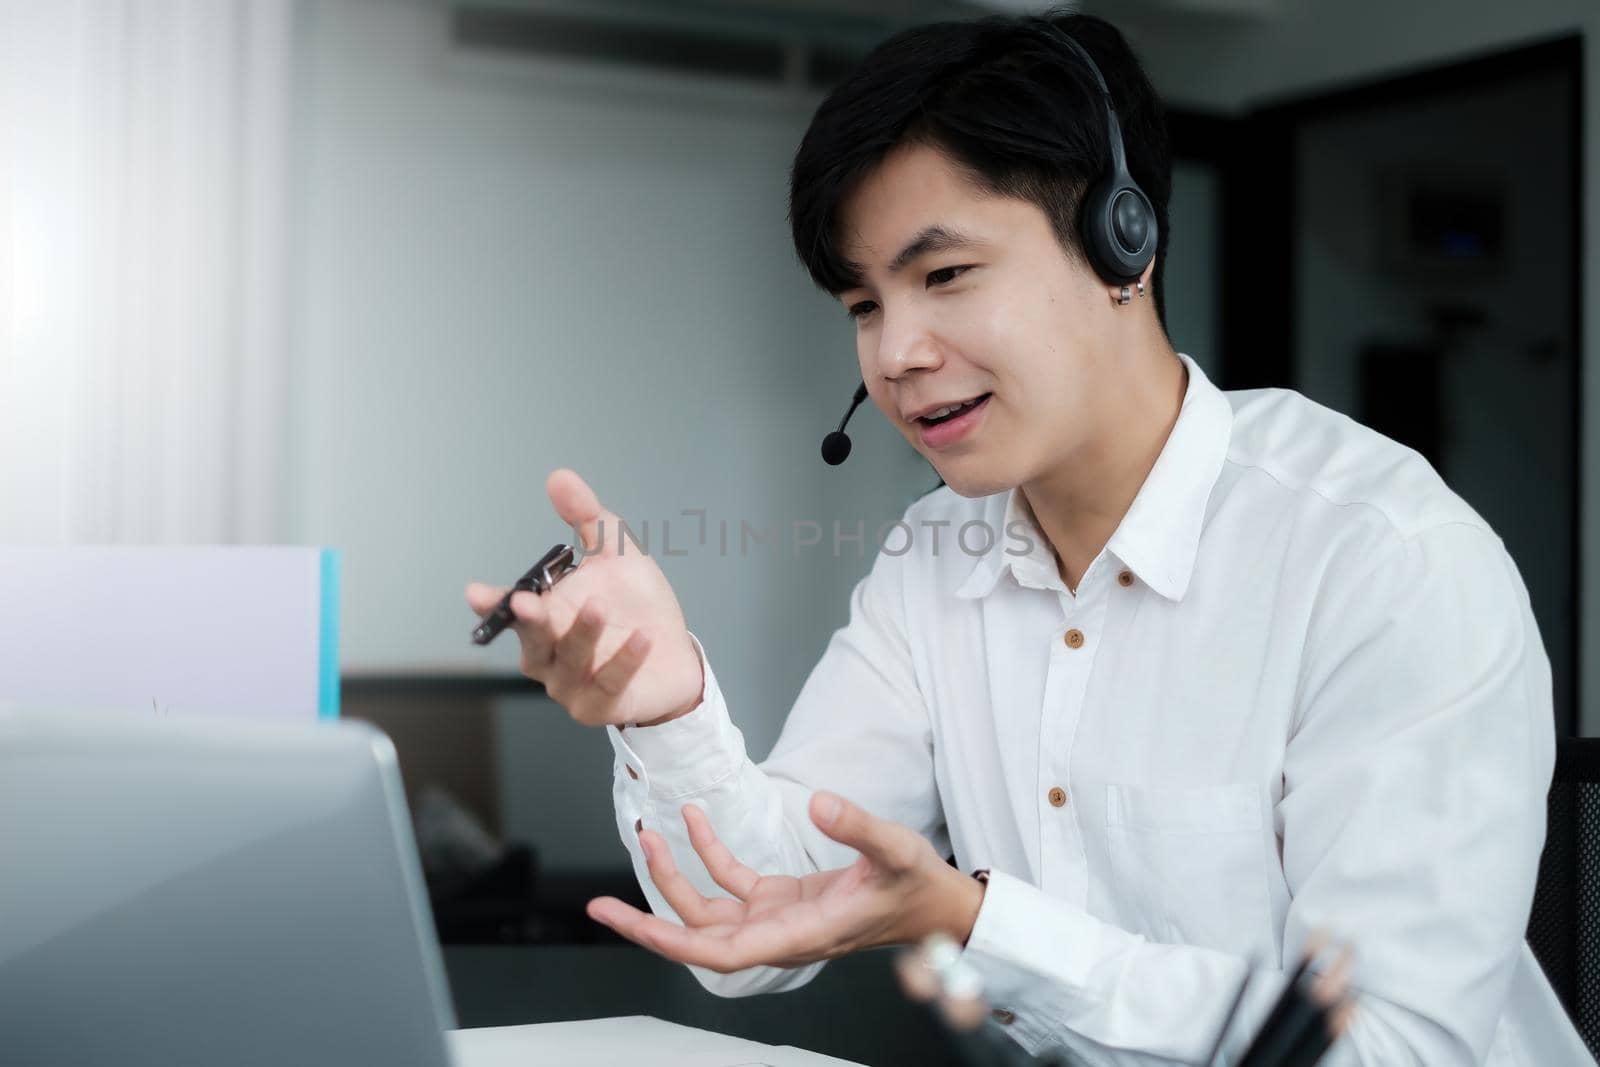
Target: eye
{"x": 945, "y": 275}
{"x": 861, "y": 309}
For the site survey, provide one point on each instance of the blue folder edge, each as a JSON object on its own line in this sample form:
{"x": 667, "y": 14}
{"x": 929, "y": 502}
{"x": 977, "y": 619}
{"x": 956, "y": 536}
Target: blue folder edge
{"x": 328, "y": 651}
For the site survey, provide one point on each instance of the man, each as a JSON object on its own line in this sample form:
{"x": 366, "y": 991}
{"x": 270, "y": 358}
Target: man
{"x": 1231, "y": 669}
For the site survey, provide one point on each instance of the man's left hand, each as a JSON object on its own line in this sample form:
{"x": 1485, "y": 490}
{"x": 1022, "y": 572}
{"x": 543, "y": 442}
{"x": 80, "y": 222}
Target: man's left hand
{"x": 897, "y": 892}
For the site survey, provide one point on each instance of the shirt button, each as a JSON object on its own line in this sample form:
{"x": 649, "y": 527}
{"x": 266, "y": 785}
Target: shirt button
{"x": 1057, "y": 796}
{"x": 1004, "y": 1017}
{"x": 632, "y": 773}
{"x": 1125, "y": 579}
{"x": 1074, "y": 638}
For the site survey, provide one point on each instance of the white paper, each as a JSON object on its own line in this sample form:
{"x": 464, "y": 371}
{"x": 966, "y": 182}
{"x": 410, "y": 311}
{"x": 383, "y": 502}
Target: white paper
{"x": 634, "y": 1039}
{"x": 225, "y": 630}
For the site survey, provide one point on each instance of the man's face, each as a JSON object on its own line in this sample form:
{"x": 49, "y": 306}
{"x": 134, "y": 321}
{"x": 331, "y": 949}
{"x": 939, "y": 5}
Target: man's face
{"x": 968, "y": 295}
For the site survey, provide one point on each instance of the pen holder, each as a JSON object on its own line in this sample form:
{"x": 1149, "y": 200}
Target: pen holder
{"x": 1302, "y": 1025}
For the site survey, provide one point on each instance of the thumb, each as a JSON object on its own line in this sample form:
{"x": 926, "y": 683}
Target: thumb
{"x": 885, "y": 843}
{"x": 580, "y": 509}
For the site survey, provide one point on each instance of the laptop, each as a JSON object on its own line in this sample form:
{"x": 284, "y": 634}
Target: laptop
{"x": 180, "y": 890}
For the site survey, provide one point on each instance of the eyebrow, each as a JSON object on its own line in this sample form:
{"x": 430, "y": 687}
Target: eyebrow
{"x": 928, "y": 240}
{"x": 853, "y": 275}
{"x": 931, "y": 239}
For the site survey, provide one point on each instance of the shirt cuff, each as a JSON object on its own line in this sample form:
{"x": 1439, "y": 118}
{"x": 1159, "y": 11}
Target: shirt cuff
{"x": 1035, "y": 953}
{"x": 686, "y": 756}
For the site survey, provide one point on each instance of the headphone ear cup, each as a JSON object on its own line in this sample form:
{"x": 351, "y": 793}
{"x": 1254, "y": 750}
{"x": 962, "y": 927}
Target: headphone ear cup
{"x": 1119, "y": 230}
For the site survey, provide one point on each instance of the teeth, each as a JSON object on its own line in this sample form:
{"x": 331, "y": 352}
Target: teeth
{"x": 948, "y": 409}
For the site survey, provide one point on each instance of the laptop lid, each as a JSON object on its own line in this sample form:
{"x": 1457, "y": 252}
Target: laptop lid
{"x": 184, "y": 890}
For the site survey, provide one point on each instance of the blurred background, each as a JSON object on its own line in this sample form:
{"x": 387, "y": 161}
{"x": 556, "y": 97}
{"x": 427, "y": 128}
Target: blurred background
{"x": 360, "y": 273}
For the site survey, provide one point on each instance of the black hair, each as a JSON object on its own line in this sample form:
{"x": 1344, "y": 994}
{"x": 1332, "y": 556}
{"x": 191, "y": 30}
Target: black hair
{"x": 1002, "y": 99}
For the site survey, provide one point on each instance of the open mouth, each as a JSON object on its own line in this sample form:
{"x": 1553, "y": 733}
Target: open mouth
{"x": 952, "y": 412}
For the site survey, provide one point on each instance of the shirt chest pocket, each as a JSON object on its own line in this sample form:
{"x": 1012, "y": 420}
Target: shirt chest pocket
{"x": 1189, "y": 865}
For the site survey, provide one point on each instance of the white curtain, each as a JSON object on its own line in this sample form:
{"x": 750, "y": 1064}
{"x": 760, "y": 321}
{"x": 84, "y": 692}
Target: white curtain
{"x": 143, "y": 180}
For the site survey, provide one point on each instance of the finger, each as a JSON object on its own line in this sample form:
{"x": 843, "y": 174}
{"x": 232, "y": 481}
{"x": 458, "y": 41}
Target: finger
{"x": 964, "y": 1011}
{"x": 887, "y": 844}
{"x": 574, "y": 650}
{"x": 918, "y": 980}
{"x": 535, "y": 628}
{"x": 612, "y": 678}
{"x": 721, "y": 864}
{"x": 794, "y": 937}
{"x": 531, "y": 609}
{"x": 1330, "y": 985}
{"x": 643, "y": 928}
{"x": 482, "y": 598}
{"x": 720, "y": 948}
{"x": 580, "y": 509}
{"x": 693, "y": 908}
{"x": 1315, "y": 942}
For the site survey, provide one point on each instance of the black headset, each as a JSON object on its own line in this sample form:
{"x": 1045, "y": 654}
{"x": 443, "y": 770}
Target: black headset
{"x": 1117, "y": 223}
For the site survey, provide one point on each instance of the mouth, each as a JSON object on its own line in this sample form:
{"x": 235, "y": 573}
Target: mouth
{"x": 946, "y": 425}
{"x": 935, "y": 416}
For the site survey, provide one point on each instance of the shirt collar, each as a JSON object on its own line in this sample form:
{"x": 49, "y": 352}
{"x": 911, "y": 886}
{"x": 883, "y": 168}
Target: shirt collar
{"x": 1019, "y": 547}
{"x": 1159, "y": 538}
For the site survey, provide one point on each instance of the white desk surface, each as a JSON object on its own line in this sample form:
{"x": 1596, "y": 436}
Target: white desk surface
{"x": 632, "y": 1039}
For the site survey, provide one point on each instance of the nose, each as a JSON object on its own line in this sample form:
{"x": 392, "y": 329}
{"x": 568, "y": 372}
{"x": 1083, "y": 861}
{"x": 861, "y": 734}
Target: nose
{"x": 905, "y": 344}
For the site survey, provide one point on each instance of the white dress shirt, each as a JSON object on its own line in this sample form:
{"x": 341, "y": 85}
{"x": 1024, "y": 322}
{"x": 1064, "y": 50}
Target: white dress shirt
{"x": 1300, "y": 689}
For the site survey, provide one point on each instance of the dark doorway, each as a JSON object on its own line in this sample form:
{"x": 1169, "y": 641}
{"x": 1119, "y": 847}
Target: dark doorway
{"x": 1409, "y": 252}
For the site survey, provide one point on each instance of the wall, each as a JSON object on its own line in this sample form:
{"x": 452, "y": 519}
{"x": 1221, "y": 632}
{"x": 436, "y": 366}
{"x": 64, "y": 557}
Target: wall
{"x": 503, "y": 268}
{"x": 502, "y": 273}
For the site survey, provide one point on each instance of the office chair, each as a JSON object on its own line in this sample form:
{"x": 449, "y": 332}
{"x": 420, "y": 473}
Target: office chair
{"x": 1564, "y": 929}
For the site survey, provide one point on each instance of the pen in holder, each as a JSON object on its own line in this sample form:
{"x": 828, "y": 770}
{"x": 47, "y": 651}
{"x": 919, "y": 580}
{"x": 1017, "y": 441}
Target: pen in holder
{"x": 1313, "y": 1010}
{"x": 1310, "y": 1014}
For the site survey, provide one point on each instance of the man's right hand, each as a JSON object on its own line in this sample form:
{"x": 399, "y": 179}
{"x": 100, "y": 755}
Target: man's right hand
{"x": 608, "y": 641}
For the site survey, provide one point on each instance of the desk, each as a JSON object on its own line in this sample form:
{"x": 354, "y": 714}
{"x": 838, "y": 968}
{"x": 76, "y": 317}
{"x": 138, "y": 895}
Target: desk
{"x": 854, "y": 1009}
{"x": 631, "y": 1039}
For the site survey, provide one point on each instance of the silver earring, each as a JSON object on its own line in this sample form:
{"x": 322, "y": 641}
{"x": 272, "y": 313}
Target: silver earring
{"x": 1141, "y": 290}
{"x": 1125, "y": 297}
